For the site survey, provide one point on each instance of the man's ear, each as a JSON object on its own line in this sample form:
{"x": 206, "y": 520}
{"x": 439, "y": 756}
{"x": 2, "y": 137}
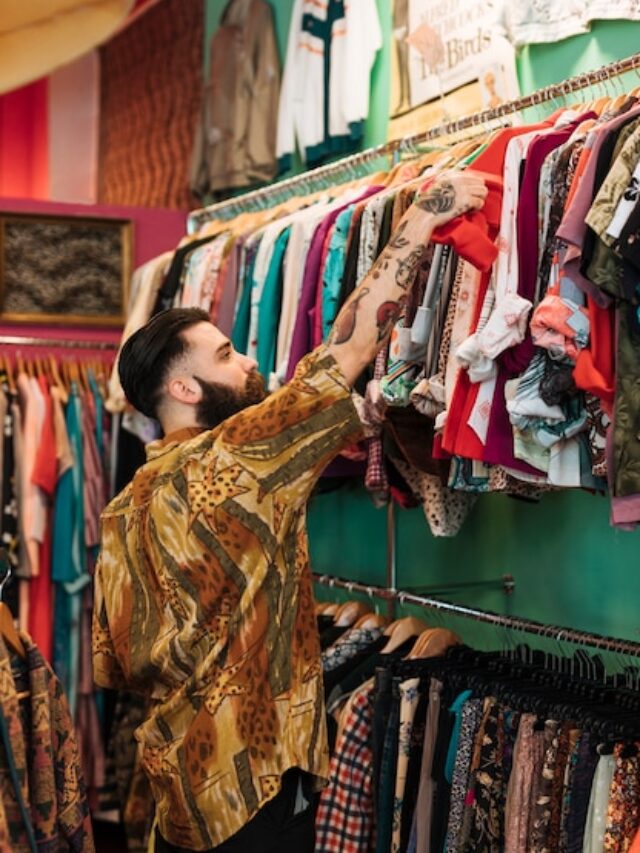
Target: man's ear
{"x": 184, "y": 389}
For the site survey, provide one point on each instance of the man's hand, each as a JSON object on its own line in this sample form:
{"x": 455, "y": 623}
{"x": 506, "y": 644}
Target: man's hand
{"x": 450, "y": 195}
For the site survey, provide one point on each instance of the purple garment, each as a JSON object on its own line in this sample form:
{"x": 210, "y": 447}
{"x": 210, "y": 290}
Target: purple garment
{"x": 302, "y": 340}
{"x": 499, "y": 444}
{"x": 573, "y": 227}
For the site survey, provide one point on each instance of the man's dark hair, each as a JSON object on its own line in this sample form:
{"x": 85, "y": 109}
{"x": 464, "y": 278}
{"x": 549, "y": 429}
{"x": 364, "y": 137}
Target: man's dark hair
{"x": 149, "y": 353}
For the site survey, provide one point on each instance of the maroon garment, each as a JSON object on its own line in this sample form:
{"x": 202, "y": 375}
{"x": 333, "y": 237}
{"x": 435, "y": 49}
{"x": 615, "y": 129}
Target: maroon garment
{"x": 499, "y": 444}
{"x": 302, "y": 340}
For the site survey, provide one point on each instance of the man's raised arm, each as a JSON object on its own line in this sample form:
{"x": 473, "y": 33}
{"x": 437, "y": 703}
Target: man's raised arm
{"x": 367, "y": 318}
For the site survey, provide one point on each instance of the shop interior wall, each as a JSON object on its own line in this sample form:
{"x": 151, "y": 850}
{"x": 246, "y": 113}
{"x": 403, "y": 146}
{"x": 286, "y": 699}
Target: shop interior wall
{"x": 570, "y": 567}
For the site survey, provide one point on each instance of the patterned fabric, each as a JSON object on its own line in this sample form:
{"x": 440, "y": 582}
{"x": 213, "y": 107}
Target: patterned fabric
{"x": 344, "y": 822}
{"x": 204, "y": 602}
{"x": 623, "y": 814}
{"x": 569, "y": 777}
{"x": 541, "y": 812}
{"x": 527, "y": 755}
{"x": 347, "y": 646}
{"x": 565, "y": 742}
{"x": 470, "y": 720}
{"x": 126, "y": 785}
{"x": 487, "y": 827}
{"x": 581, "y": 785}
{"x": 150, "y": 98}
{"x": 409, "y": 696}
{"x": 9, "y": 505}
{"x": 47, "y": 761}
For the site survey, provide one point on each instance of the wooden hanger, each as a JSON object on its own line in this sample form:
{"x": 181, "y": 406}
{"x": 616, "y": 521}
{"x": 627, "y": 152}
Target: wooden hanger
{"x": 7, "y": 366}
{"x": 7, "y": 627}
{"x": 348, "y": 613}
{"x": 402, "y": 630}
{"x": 57, "y": 379}
{"x": 371, "y": 620}
{"x": 433, "y": 643}
{"x": 20, "y": 364}
{"x": 331, "y": 609}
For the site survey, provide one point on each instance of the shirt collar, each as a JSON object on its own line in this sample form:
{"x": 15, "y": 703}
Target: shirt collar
{"x": 163, "y": 445}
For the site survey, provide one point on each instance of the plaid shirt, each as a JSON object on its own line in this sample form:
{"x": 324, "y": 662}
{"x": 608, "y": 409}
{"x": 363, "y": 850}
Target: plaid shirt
{"x": 344, "y": 823}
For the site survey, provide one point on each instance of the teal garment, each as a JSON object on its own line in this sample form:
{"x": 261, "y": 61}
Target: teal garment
{"x": 270, "y": 304}
{"x": 334, "y": 269}
{"x": 456, "y": 710}
{"x": 99, "y": 403}
{"x": 69, "y": 558}
{"x": 240, "y": 332}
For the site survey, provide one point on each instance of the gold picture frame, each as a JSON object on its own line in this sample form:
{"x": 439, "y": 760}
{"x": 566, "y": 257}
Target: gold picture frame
{"x": 70, "y": 270}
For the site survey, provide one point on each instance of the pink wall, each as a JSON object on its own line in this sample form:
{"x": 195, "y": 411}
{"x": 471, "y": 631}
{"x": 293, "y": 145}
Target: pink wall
{"x": 154, "y": 231}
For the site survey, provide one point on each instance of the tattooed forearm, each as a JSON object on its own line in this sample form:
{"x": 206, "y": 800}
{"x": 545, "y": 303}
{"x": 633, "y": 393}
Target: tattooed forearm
{"x": 439, "y": 199}
{"x": 345, "y": 323}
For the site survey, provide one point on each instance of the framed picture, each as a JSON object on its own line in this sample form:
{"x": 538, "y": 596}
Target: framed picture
{"x": 71, "y": 270}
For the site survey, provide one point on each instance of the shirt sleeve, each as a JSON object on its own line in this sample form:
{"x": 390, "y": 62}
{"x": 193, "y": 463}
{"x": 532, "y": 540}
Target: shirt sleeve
{"x": 107, "y": 671}
{"x": 287, "y": 440}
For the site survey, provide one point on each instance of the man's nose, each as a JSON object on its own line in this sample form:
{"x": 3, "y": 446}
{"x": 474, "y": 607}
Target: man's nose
{"x": 249, "y": 364}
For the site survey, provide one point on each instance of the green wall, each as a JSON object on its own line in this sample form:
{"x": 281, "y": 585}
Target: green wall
{"x": 569, "y": 565}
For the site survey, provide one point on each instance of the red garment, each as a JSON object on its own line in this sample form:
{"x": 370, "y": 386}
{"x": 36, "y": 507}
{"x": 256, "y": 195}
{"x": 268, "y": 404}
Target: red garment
{"x": 473, "y": 234}
{"x": 491, "y": 163}
{"x": 24, "y": 142}
{"x": 595, "y": 367}
{"x": 45, "y": 472}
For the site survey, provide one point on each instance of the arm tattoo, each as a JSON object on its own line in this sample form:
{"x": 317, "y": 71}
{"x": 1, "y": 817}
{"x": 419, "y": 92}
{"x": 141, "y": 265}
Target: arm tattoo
{"x": 407, "y": 266}
{"x": 439, "y": 199}
{"x": 397, "y": 241}
{"x": 386, "y": 316}
{"x": 345, "y": 323}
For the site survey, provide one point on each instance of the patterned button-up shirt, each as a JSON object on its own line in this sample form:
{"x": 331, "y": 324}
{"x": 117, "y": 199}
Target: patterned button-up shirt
{"x": 204, "y": 601}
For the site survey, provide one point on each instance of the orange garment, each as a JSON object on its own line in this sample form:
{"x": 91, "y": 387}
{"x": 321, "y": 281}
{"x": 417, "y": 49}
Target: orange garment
{"x": 458, "y": 437}
{"x": 635, "y": 846}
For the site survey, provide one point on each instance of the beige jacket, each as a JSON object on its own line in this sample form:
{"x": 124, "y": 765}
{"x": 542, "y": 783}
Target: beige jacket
{"x": 236, "y": 136}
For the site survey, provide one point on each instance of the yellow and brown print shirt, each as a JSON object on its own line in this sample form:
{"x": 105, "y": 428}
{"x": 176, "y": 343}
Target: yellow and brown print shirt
{"x": 204, "y": 601}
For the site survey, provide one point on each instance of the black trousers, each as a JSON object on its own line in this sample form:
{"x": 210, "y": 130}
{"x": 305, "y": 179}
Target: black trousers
{"x": 274, "y": 829}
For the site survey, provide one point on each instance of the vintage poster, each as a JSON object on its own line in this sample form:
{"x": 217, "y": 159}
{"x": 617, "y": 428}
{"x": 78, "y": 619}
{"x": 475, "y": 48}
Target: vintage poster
{"x": 448, "y": 59}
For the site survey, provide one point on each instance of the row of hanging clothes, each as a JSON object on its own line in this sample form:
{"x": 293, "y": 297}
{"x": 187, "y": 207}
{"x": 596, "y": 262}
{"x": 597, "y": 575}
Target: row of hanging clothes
{"x": 55, "y": 479}
{"x": 439, "y": 747}
{"x": 512, "y": 369}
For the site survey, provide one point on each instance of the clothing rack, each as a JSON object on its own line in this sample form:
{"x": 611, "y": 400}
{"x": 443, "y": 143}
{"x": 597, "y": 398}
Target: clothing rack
{"x": 231, "y": 207}
{"x": 529, "y": 626}
{"x": 19, "y": 340}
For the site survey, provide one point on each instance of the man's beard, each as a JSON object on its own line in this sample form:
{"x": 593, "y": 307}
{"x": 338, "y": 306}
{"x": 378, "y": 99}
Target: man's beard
{"x": 220, "y": 402}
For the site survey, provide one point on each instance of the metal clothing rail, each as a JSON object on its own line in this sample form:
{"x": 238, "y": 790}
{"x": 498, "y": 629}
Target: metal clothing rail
{"x": 230, "y": 207}
{"x": 18, "y": 340}
{"x": 528, "y": 626}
